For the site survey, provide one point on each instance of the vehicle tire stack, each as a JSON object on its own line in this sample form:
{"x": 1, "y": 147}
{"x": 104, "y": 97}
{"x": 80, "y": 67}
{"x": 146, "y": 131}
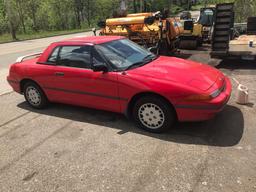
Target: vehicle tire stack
{"x": 224, "y": 22}
{"x": 251, "y": 26}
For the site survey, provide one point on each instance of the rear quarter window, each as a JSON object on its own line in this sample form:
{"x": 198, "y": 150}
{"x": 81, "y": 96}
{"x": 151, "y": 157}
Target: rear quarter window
{"x": 54, "y": 55}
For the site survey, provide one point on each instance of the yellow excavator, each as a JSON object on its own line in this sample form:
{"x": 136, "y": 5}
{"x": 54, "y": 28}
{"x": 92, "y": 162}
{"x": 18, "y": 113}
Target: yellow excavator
{"x": 154, "y": 31}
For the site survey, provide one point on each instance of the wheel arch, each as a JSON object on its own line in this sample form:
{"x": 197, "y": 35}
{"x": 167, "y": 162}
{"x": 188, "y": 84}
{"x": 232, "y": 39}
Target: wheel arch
{"x": 137, "y": 96}
{"x": 26, "y": 80}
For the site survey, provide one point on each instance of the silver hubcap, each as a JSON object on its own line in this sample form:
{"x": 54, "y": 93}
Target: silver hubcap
{"x": 33, "y": 96}
{"x": 151, "y": 116}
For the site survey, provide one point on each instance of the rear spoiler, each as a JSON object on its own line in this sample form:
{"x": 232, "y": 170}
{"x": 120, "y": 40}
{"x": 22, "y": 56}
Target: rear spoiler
{"x": 20, "y": 59}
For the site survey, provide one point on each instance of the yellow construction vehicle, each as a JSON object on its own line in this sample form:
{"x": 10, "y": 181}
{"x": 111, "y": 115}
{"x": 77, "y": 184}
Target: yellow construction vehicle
{"x": 207, "y": 19}
{"x": 198, "y": 30}
{"x": 192, "y": 36}
{"x": 151, "y": 30}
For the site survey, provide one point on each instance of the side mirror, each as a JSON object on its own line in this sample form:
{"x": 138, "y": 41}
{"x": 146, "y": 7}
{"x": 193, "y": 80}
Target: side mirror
{"x": 153, "y": 49}
{"x": 100, "y": 67}
{"x": 94, "y": 31}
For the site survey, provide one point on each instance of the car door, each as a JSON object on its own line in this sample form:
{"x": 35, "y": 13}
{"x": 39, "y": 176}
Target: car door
{"x": 43, "y": 73}
{"x": 76, "y": 83}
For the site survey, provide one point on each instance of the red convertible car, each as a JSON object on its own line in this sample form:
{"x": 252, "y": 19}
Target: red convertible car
{"x": 112, "y": 73}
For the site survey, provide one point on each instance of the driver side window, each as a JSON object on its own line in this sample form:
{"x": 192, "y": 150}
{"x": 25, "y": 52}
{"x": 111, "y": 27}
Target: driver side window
{"x": 75, "y": 56}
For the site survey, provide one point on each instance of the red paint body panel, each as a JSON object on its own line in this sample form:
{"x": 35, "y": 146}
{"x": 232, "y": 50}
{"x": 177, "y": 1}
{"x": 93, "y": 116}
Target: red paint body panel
{"x": 202, "y": 111}
{"x": 173, "y": 78}
{"x": 82, "y": 81}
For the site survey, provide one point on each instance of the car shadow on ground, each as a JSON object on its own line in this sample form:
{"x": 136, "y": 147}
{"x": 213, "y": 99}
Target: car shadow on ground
{"x": 225, "y": 130}
{"x": 233, "y": 64}
{"x": 181, "y": 55}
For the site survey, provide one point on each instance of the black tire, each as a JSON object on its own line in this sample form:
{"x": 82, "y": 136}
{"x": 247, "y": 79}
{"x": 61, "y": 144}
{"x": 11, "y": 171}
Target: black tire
{"x": 223, "y": 38}
{"x": 220, "y": 45}
{"x": 166, "y": 112}
{"x": 43, "y": 101}
{"x": 222, "y": 32}
{"x": 223, "y": 26}
{"x": 227, "y": 7}
{"x": 199, "y": 42}
{"x": 251, "y": 20}
{"x": 225, "y": 14}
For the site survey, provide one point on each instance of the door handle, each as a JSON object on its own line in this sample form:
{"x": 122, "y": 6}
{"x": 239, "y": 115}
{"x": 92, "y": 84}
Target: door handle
{"x": 59, "y": 74}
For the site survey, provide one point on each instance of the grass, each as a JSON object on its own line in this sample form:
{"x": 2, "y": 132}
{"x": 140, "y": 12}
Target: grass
{"x": 5, "y": 38}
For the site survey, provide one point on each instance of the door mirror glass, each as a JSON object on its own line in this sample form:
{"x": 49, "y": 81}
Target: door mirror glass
{"x": 98, "y": 63}
{"x": 153, "y": 49}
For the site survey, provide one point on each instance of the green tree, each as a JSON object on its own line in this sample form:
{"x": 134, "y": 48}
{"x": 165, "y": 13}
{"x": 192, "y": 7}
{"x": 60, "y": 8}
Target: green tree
{"x": 32, "y": 7}
{"x": 32, "y": 16}
{"x": 12, "y": 17}
{"x": 3, "y": 18}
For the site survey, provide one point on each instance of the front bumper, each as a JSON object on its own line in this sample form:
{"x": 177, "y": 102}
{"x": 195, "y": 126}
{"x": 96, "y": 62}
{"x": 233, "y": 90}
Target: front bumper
{"x": 204, "y": 111}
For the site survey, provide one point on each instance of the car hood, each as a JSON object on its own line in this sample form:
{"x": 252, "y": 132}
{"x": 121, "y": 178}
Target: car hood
{"x": 179, "y": 70}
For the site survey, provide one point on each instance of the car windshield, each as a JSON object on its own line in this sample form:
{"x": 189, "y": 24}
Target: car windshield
{"x": 124, "y": 54}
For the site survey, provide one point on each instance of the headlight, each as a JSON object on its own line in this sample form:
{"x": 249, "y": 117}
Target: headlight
{"x": 217, "y": 92}
{"x": 206, "y": 97}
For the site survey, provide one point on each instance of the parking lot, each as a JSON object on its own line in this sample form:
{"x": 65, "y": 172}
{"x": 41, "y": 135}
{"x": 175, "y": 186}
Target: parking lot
{"x": 68, "y": 148}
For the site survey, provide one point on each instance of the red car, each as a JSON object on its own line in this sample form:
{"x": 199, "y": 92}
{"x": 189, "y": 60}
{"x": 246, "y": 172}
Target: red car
{"x": 112, "y": 73}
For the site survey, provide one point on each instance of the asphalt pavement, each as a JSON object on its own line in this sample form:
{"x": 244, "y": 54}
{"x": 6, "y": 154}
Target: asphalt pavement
{"x": 67, "y": 148}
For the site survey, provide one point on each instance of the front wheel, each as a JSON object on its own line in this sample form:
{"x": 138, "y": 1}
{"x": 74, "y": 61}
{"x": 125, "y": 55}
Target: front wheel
{"x": 153, "y": 114}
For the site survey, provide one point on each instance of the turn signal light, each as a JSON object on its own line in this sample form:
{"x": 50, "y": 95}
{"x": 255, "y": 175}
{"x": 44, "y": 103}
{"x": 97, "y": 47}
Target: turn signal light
{"x": 202, "y": 97}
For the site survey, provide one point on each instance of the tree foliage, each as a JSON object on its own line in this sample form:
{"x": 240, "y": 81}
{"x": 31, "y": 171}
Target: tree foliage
{"x": 243, "y": 8}
{"x": 30, "y": 16}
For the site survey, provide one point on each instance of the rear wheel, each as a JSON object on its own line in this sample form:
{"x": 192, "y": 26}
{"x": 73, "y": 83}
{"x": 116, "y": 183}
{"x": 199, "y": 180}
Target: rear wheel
{"x": 153, "y": 114}
{"x": 34, "y": 95}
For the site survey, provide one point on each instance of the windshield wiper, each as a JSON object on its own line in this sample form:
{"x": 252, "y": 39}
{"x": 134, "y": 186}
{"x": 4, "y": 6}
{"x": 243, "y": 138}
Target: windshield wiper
{"x": 148, "y": 56}
{"x": 141, "y": 63}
